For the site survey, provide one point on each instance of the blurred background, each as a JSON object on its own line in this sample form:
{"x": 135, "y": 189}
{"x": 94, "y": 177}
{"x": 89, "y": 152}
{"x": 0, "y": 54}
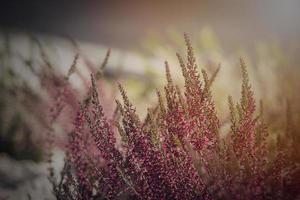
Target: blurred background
{"x": 37, "y": 35}
{"x": 124, "y": 24}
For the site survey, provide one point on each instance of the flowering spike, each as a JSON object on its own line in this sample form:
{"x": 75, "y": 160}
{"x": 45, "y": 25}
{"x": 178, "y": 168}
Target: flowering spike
{"x": 94, "y": 92}
{"x": 245, "y": 76}
{"x": 99, "y": 72}
{"x": 232, "y": 114}
{"x": 128, "y": 108}
{"x": 161, "y": 104}
{"x": 182, "y": 66}
{"x": 208, "y": 82}
{"x": 239, "y": 111}
{"x": 43, "y": 53}
{"x": 247, "y": 98}
{"x": 72, "y": 69}
{"x": 104, "y": 63}
{"x": 115, "y": 115}
{"x": 124, "y": 96}
{"x": 120, "y": 107}
{"x": 122, "y": 133}
{"x": 214, "y": 75}
{"x": 168, "y": 74}
{"x": 190, "y": 52}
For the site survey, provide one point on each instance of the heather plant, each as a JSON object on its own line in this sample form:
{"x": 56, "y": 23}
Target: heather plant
{"x": 177, "y": 151}
{"x": 264, "y": 58}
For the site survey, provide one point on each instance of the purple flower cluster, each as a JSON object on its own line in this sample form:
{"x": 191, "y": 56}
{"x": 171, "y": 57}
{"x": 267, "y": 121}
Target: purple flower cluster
{"x": 176, "y": 152}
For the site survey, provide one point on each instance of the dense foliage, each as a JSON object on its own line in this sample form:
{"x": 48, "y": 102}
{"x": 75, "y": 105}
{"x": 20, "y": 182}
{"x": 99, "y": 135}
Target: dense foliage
{"x": 177, "y": 152}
